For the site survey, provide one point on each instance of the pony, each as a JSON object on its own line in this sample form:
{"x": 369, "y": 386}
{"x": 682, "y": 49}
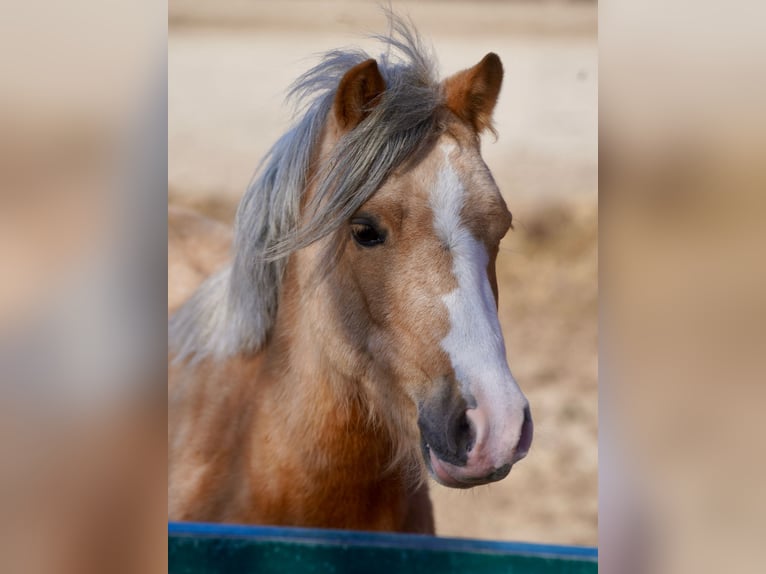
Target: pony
{"x": 350, "y": 346}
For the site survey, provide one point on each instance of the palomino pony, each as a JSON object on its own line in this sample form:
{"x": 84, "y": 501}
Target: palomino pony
{"x": 352, "y": 342}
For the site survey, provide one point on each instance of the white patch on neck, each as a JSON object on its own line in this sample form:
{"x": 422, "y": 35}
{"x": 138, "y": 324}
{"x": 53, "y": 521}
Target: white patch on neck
{"x": 475, "y": 341}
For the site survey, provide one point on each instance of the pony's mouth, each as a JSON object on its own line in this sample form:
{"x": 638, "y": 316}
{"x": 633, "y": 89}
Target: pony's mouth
{"x": 453, "y": 476}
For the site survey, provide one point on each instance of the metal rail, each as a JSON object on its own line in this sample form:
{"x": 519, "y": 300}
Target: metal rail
{"x": 196, "y": 548}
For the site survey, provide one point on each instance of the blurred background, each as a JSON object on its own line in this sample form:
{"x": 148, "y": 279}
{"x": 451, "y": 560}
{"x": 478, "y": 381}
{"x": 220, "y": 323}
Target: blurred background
{"x": 229, "y": 65}
{"x": 82, "y": 286}
{"x": 683, "y": 282}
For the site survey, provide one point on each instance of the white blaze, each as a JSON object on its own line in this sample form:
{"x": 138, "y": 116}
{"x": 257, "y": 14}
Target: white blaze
{"x": 475, "y": 341}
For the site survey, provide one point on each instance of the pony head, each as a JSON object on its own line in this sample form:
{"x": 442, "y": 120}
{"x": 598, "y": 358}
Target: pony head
{"x": 373, "y": 227}
{"x": 415, "y": 284}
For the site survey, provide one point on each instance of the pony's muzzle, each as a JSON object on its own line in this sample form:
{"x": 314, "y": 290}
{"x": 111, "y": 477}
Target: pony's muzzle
{"x": 499, "y": 447}
{"x": 492, "y": 447}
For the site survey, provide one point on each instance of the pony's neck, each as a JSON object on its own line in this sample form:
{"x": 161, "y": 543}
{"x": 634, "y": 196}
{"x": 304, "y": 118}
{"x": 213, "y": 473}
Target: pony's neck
{"x": 320, "y": 369}
{"x": 322, "y": 433}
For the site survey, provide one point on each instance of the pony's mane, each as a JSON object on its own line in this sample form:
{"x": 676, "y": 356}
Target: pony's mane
{"x": 234, "y": 310}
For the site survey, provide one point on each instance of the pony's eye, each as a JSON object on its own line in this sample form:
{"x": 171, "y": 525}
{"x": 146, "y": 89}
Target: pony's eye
{"x": 365, "y": 233}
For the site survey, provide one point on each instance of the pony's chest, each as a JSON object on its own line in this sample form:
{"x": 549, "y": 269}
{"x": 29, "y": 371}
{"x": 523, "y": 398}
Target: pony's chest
{"x": 334, "y": 476}
{"x": 332, "y": 502}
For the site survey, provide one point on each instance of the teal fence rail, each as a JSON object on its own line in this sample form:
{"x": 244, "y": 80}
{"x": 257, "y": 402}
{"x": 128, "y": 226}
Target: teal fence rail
{"x": 195, "y": 548}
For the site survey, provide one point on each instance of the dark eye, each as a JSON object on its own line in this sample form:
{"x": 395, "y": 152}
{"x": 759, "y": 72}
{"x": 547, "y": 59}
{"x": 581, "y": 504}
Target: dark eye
{"x": 365, "y": 233}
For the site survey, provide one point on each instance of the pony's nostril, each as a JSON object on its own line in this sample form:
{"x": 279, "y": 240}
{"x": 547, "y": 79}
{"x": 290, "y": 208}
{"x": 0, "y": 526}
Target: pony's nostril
{"x": 525, "y": 438}
{"x": 465, "y": 437}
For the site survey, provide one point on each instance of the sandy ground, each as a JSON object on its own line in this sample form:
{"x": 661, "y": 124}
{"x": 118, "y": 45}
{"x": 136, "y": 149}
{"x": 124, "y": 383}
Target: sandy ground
{"x": 229, "y": 65}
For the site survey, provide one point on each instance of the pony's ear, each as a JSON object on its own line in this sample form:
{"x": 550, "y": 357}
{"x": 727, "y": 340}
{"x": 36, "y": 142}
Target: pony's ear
{"x": 357, "y": 94}
{"x": 472, "y": 93}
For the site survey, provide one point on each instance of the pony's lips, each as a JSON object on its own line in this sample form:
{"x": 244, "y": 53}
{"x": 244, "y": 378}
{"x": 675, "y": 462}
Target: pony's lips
{"x": 445, "y": 473}
{"x": 440, "y": 473}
